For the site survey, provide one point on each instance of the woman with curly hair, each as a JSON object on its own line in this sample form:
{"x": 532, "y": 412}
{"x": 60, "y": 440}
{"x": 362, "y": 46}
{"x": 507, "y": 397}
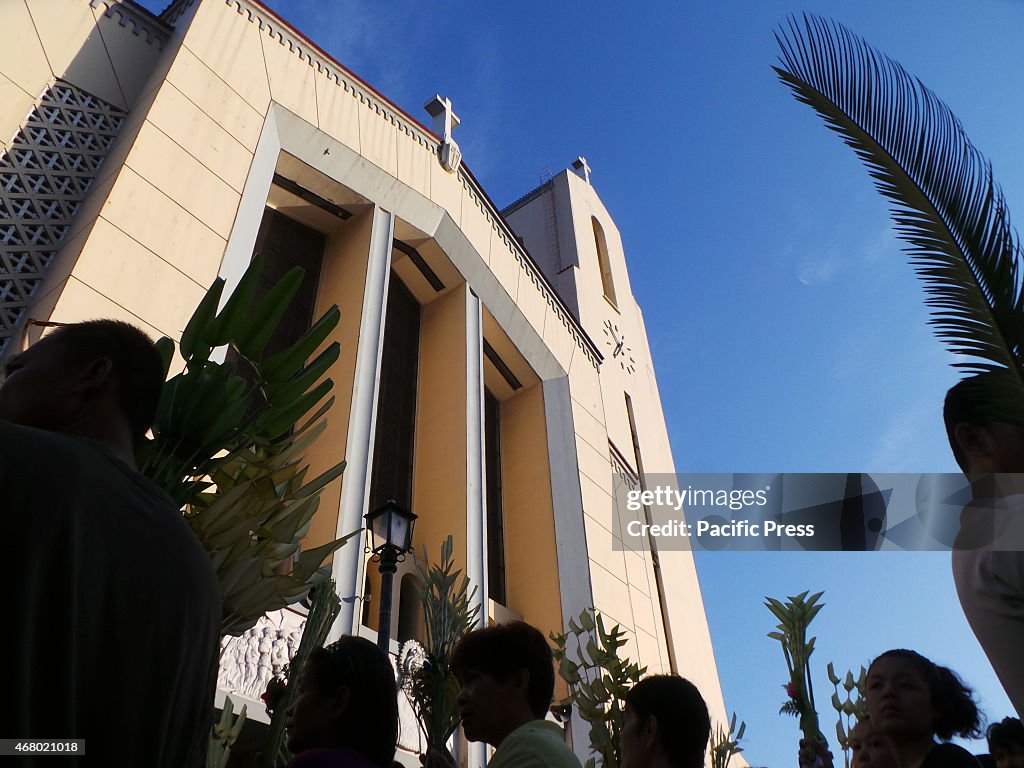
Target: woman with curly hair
{"x": 912, "y": 701}
{"x": 346, "y": 715}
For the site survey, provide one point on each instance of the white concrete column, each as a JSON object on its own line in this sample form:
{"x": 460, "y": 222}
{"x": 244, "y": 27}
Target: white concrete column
{"x": 476, "y": 492}
{"x": 240, "y": 245}
{"x": 348, "y": 567}
{"x": 570, "y": 531}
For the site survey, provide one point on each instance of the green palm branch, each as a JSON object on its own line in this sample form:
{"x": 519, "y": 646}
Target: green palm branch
{"x": 795, "y": 616}
{"x": 790, "y": 708}
{"x": 945, "y": 202}
{"x": 450, "y": 611}
{"x": 724, "y": 743}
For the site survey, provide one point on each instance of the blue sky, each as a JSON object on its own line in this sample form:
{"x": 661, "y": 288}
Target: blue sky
{"x": 788, "y": 330}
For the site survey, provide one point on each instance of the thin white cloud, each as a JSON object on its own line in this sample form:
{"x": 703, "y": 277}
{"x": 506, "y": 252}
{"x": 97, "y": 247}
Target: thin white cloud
{"x": 914, "y": 439}
{"x": 813, "y": 254}
{"x": 353, "y": 35}
{"x": 898, "y": 447}
{"x": 883, "y": 245}
{"x": 817, "y": 269}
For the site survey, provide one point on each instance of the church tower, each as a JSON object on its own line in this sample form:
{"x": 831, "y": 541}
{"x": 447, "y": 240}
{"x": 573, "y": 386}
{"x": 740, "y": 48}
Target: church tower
{"x": 652, "y": 593}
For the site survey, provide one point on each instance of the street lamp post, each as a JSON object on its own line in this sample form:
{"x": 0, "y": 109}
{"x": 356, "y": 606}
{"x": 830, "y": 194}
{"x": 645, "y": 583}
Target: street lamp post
{"x": 391, "y": 531}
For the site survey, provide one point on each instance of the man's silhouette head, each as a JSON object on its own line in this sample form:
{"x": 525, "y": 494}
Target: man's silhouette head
{"x": 984, "y": 442}
{"x": 99, "y": 379}
{"x": 666, "y": 724}
{"x": 506, "y": 677}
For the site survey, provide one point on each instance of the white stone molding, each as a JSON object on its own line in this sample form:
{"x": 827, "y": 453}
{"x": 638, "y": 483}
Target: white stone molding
{"x": 349, "y": 563}
{"x": 306, "y": 142}
{"x": 238, "y": 252}
{"x": 308, "y": 52}
{"x": 45, "y": 174}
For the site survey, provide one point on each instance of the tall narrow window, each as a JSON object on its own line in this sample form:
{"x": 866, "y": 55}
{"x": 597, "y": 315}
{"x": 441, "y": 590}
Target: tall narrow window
{"x": 285, "y": 243}
{"x": 655, "y": 559}
{"x": 604, "y": 263}
{"x": 396, "y": 400}
{"x": 495, "y": 518}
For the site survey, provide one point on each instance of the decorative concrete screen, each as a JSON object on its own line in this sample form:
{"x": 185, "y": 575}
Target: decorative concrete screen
{"x": 44, "y": 176}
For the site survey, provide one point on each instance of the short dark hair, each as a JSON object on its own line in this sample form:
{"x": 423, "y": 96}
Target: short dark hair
{"x": 1009, "y": 732}
{"x": 370, "y": 723}
{"x": 969, "y": 401}
{"x": 684, "y": 724}
{"x": 504, "y": 649}
{"x": 137, "y": 365}
{"x": 956, "y": 713}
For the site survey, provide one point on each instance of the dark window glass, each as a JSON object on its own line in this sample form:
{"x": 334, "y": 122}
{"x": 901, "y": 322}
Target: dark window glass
{"x": 396, "y": 402}
{"x": 604, "y": 263}
{"x": 285, "y": 243}
{"x": 495, "y": 517}
{"x": 410, "y": 610}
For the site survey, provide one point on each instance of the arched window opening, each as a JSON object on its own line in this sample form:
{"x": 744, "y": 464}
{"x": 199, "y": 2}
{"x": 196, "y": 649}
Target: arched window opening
{"x": 604, "y": 263}
{"x": 410, "y": 610}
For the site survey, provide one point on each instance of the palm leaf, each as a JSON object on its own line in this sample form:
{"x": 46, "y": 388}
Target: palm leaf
{"x": 945, "y": 202}
{"x": 790, "y": 708}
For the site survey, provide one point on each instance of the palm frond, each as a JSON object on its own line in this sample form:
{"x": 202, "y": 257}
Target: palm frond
{"x": 945, "y": 202}
{"x": 790, "y": 708}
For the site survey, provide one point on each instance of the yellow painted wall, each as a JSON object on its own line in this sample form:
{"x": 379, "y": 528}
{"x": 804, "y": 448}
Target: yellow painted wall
{"x": 439, "y": 483}
{"x": 531, "y": 557}
{"x": 341, "y": 283}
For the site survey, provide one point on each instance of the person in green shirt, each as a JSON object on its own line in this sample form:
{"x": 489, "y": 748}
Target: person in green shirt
{"x": 507, "y": 677}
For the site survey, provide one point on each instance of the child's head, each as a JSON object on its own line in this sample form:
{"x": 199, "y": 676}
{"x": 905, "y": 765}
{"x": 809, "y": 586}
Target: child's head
{"x": 665, "y": 716}
{"x": 910, "y": 696}
{"x": 347, "y": 698}
{"x": 869, "y": 747}
{"x": 1006, "y": 743}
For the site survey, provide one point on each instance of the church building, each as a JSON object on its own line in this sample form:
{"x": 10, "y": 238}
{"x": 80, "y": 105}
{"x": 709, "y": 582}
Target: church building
{"x": 495, "y": 374}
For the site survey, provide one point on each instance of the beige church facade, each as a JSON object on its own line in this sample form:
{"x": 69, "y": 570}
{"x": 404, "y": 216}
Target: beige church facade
{"x": 495, "y": 374}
